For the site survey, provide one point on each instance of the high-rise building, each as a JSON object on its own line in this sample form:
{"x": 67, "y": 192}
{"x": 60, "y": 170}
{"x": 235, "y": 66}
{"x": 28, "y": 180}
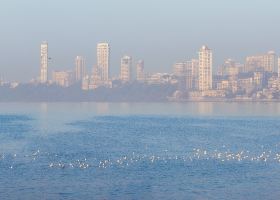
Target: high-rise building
{"x": 126, "y": 68}
{"x": 140, "y": 76}
{"x": 270, "y": 62}
{"x": 189, "y": 75}
{"x": 205, "y": 68}
{"x": 179, "y": 68}
{"x": 253, "y": 63}
{"x": 191, "y": 72}
{"x": 80, "y": 68}
{"x": 103, "y": 60}
{"x": 44, "y": 63}
{"x": 195, "y": 73}
{"x": 266, "y": 62}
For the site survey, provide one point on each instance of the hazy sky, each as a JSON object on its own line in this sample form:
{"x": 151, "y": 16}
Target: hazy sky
{"x": 159, "y": 31}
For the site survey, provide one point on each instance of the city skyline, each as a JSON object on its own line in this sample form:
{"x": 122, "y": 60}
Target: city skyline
{"x": 199, "y": 71}
{"x": 257, "y": 79}
{"x": 142, "y": 99}
{"x": 168, "y": 31}
{"x": 80, "y": 62}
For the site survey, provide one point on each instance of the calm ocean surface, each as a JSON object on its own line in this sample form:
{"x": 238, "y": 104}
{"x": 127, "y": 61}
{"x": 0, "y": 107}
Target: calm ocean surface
{"x": 140, "y": 151}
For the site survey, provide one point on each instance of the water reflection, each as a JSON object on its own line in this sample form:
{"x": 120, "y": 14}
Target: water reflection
{"x": 205, "y": 108}
{"x": 187, "y": 108}
{"x": 44, "y": 107}
{"x": 102, "y": 108}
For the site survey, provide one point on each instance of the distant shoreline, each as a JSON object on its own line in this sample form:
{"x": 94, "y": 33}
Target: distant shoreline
{"x": 166, "y": 102}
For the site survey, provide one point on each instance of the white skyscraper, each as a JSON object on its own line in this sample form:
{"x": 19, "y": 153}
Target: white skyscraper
{"x": 44, "y": 63}
{"x": 205, "y": 68}
{"x": 80, "y": 68}
{"x": 140, "y": 76}
{"x": 103, "y": 60}
{"x": 126, "y": 68}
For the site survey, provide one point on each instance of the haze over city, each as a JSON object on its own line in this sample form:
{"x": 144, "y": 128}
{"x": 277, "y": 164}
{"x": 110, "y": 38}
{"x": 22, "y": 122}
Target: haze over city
{"x": 160, "y": 32}
{"x": 140, "y": 99}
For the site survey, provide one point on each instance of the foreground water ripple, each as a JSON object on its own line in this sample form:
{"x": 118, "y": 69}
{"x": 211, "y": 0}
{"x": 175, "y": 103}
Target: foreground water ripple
{"x": 139, "y": 157}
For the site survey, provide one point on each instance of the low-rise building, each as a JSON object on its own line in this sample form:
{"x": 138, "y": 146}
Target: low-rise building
{"x": 63, "y": 78}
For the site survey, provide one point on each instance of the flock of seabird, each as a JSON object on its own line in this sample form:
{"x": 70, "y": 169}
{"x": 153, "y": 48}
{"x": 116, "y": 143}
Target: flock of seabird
{"x": 54, "y": 161}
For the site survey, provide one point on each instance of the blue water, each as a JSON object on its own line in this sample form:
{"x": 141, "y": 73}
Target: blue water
{"x": 139, "y": 151}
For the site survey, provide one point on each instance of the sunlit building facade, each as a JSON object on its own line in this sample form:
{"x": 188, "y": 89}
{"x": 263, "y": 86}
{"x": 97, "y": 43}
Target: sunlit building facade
{"x": 266, "y": 62}
{"x": 80, "y": 70}
{"x": 205, "y": 68}
{"x": 270, "y": 62}
{"x": 63, "y": 78}
{"x": 103, "y": 61}
{"x": 126, "y": 68}
{"x": 44, "y": 63}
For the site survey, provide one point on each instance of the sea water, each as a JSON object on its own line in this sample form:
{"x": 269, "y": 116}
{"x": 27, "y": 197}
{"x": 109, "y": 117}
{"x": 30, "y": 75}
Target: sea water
{"x": 139, "y": 151}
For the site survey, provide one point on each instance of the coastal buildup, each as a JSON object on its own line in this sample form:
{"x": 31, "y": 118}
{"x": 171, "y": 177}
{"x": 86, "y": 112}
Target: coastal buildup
{"x": 196, "y": 79}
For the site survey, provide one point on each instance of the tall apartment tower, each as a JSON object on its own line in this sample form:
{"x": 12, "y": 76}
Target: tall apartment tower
{"x": 140, "y": 76}
{"x": 103, "y": 60}
{"x": 126, "y": 68}
{"x": 44, "y": 63}
{"x": 80, "y": 68}
{"x": 205, "y": 68}
{"x": 195, "y": 73}
{"x": 270, "y": 62}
